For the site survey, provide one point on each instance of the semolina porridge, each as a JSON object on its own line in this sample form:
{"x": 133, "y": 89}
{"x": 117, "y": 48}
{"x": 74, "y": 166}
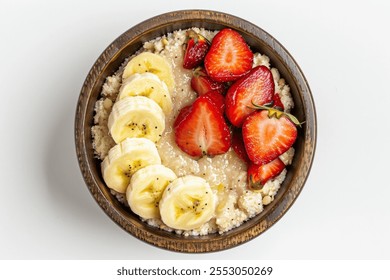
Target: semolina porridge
{"x": 226, "y": 173}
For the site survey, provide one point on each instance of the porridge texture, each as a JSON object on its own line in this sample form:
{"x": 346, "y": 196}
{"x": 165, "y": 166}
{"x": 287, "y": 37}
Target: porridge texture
{"x": 226, "y": 173}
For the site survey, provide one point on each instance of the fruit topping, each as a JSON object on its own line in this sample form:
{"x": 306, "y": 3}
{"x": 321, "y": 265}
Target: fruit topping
{"x": 277, "y": 103}
{"x": 202, "y": 83}
{"x": 255, "y": 87}
{"x": 238, "y": 145}
{"x": 136, "y": 116}
{"x": 146, "y": 188}
{"x": 267, "y": 134}
{"x": 217, "y": 99}
{"x": 148, "y": 85}
{"x": 200, "y": 129}
{"x": 197, "y": 47}
{"x": 125, "y": 158}
{"x": 148, "y": 62}
{"x": 187, "y": 203}
{"x": 229, "y": 56}
{"x": 258, "y": 175}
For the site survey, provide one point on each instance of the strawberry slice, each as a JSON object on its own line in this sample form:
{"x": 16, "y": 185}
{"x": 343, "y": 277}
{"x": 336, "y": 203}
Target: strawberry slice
{"x": 277, "y": 102}
{"x": 201, "y": 129}
{"x": 267, "y": 134}
{"x": 182, "y": 115}
{"x": 258, "y": 175}
{"x": 256, "y": 87}
{"x": 202, "y": 83}
{"x": 197, "y": 47}
{"x": 238, "y": 145}
{"x": 214, "y": 97}
{"x": 217, "y": 99}
{"x": 229, "y": 56}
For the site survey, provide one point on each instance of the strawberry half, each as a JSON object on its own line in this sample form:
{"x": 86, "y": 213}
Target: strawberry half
{"x": 229, "y": 56}
{"x": 277, "y": 102}
{"x": 267, "y": 134}
{"x": 182, "y": 115}
{"x": 238, "y": 145}
{"x": 258, "y": 175}
{"x": 217, "y": 99}
{"x": 197, "y": 47}
{"x": 200, "y": 129}
{"x": 202, "y": 83}
{"x": 256, "y": 87}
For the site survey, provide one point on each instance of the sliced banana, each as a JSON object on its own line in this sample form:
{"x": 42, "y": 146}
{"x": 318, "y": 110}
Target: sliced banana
{"x": 151, "y": 63}
{"x": 136, "y": 116}
{"x": 146, "y": 188}
{"x": 187, "y": 203}
{"x": 126, "y": 158}
{"x": 148, "y": 85}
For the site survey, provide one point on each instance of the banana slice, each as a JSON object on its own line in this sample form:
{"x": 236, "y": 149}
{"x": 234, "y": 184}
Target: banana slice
{"x": 126, "y": 158}
{"x": 151, "y": 63}
{"x": 146, "y": 188}
{"x": 148, "y": 85}
{"x": 136, "y": 116}
{"x": 187, "y": 203}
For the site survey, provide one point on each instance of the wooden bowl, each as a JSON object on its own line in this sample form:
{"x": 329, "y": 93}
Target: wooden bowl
{"x": 128, "y": 43}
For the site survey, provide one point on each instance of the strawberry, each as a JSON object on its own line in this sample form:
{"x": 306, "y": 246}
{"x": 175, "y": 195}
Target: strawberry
{"x": 267, "y": 134}
{"x": 238, "y": 145}
{"x": 202, "y": 83}
{"x": 229, "y": 56}
{"x": 182, "y": 115}
{"x": 197, "y": 47}
{"x": 277, "y": 103}
{"x": 258, "y": 175}
{"x": 201, "y": 129}
{"x": 255, "y": 87}
{"x": 217, "y": 99}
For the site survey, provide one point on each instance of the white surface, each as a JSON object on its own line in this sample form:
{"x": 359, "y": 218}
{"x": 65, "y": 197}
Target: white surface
{"x": 46, "y": 51}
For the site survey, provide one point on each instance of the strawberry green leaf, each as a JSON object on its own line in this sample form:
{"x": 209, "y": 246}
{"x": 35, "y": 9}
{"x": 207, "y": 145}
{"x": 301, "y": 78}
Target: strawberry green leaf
{"x": 272, "y": 112}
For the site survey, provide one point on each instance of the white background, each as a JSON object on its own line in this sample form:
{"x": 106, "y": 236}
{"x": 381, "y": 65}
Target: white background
{"x": 46, "y": 51}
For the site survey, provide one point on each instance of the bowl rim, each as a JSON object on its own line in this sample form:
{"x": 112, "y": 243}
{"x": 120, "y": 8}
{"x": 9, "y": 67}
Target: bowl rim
{"x": 154, "y": 236}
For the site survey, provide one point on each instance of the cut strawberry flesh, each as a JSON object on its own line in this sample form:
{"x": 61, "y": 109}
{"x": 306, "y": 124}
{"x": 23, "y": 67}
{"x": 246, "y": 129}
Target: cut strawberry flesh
{"x": 201, "y": 83}
{"x": 229, "y": 56}
{"x": 257, "y": 87}
{"x": 217, "y": 99}
{"x": 182, "y": 115}
{"x": 258, "y": 175}
{"x": 238, "y": 145}
{"x": 201, "y": 129}
{"x": 266, "y": 138}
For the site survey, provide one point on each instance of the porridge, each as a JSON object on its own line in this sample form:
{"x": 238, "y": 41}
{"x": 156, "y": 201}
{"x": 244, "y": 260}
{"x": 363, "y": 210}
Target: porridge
{"x": 157, "y": 172}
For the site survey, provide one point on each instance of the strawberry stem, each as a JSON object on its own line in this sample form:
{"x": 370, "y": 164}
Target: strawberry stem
{"x": 198, "y": 71}
{"x": 256, "y": 186}
{"x": 273, "y": 112}
{"x": 191, "y": 34}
